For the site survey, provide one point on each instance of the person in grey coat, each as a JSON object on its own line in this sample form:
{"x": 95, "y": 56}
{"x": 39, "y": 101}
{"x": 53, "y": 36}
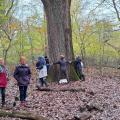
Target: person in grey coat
{"x": 63, "y": 63}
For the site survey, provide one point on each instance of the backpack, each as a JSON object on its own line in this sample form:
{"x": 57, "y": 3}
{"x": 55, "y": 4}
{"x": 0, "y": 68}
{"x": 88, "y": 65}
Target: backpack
{"x": 41, "y": 62}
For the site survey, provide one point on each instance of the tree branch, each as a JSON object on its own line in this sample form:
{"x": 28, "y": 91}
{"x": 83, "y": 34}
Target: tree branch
{"x": 9, "y": 9}
{"x": 114, "y": 47}
{"x": 115, "y": 7}
{"x": 21, "y": 115}
{"x": 97, "y": 6}
{"x": 9, "y": 38}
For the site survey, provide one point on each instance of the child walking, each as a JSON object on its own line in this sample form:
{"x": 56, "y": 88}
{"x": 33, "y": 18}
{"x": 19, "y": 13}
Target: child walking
{"x": 3, "y": 80}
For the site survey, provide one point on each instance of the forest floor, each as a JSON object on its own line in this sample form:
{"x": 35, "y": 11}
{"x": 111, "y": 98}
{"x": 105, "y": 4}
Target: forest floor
{"x": 98, "y": 98}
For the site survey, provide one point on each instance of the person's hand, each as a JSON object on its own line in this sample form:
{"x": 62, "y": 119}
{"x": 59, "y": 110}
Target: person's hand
{"x": 51, "y": 64}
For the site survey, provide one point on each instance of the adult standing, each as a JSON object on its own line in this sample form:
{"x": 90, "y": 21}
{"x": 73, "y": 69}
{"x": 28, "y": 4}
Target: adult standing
{"x": 42, "y": 71}
{"x": 79, "y": 68}
{"x": 63, "y": 63}
{"x": 22, "y": 74}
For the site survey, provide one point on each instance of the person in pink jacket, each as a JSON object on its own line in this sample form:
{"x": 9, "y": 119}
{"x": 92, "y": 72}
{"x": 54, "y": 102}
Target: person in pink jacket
{"x": 3, "y": 80}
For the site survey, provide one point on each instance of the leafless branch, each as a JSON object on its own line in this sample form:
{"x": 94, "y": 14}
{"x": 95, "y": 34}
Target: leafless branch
{"x": 8, "y": 36}
{"x": 9, "y": 9}
{"x": 112, "y": 46}
{"x": 97, "y": 6}
{"x": 115, "y": 7}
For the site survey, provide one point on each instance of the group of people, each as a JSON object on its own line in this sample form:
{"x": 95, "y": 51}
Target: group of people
{"x": 22, "y": 74}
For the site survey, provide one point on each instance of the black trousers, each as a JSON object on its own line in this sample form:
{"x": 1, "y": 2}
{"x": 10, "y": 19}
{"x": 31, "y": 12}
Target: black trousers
{"x": 80, "y": 74}
{"x": 43, "y": 81}
{"x": 23, "y": 93}
{"x": 63, "y": 75}
{"x": 2, "y": 90}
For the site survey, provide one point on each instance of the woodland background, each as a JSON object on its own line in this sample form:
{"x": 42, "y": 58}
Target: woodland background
{"x": 95, "y": 31}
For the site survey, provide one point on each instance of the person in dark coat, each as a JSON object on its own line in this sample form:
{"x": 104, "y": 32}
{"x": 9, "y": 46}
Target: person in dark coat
{"x": 63, "y": 67}
{"x": 47, "y": 63}
{"x": 79, "y": 68}
{"x": 3, "y": 80}
{"x": 22, "y": 74}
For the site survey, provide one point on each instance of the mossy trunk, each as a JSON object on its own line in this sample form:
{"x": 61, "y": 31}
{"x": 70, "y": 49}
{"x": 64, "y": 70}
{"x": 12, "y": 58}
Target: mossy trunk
{"x": 54, "y": 76}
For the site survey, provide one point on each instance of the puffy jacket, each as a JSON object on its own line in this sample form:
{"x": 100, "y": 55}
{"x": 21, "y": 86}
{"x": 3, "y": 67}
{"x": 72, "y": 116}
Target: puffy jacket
{"x": 41, "y": 62}
{"x": 3, "y": 76}
{"x": 22, "y": 74}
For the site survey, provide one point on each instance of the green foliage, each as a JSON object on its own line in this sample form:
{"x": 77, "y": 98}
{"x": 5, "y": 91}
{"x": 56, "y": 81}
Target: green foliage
{"x": 88, "y": 35}
{"x": 3, "y": 17}
{"x": 30, "y": 44}
{"x": 95, "y": 43}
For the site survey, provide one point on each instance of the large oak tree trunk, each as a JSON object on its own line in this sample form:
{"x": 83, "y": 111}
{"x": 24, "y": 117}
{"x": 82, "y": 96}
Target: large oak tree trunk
{"x": 59, "y": 30}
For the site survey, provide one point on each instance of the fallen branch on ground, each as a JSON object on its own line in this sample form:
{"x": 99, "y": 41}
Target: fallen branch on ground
{"x": 61, "y": 90}
{"x": 25, "y": 115}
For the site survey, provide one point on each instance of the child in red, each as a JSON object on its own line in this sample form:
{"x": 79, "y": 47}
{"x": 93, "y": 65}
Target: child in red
{"x": 3, "y": 80}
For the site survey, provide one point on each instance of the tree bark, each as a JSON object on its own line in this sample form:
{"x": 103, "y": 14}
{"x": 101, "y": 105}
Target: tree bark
{"x": 59, "y": 30}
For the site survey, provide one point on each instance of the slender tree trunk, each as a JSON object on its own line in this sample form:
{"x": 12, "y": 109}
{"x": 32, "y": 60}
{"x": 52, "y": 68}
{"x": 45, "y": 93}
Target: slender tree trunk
{"x": 6, "y": 52}
{"x": 59, "y": 30}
